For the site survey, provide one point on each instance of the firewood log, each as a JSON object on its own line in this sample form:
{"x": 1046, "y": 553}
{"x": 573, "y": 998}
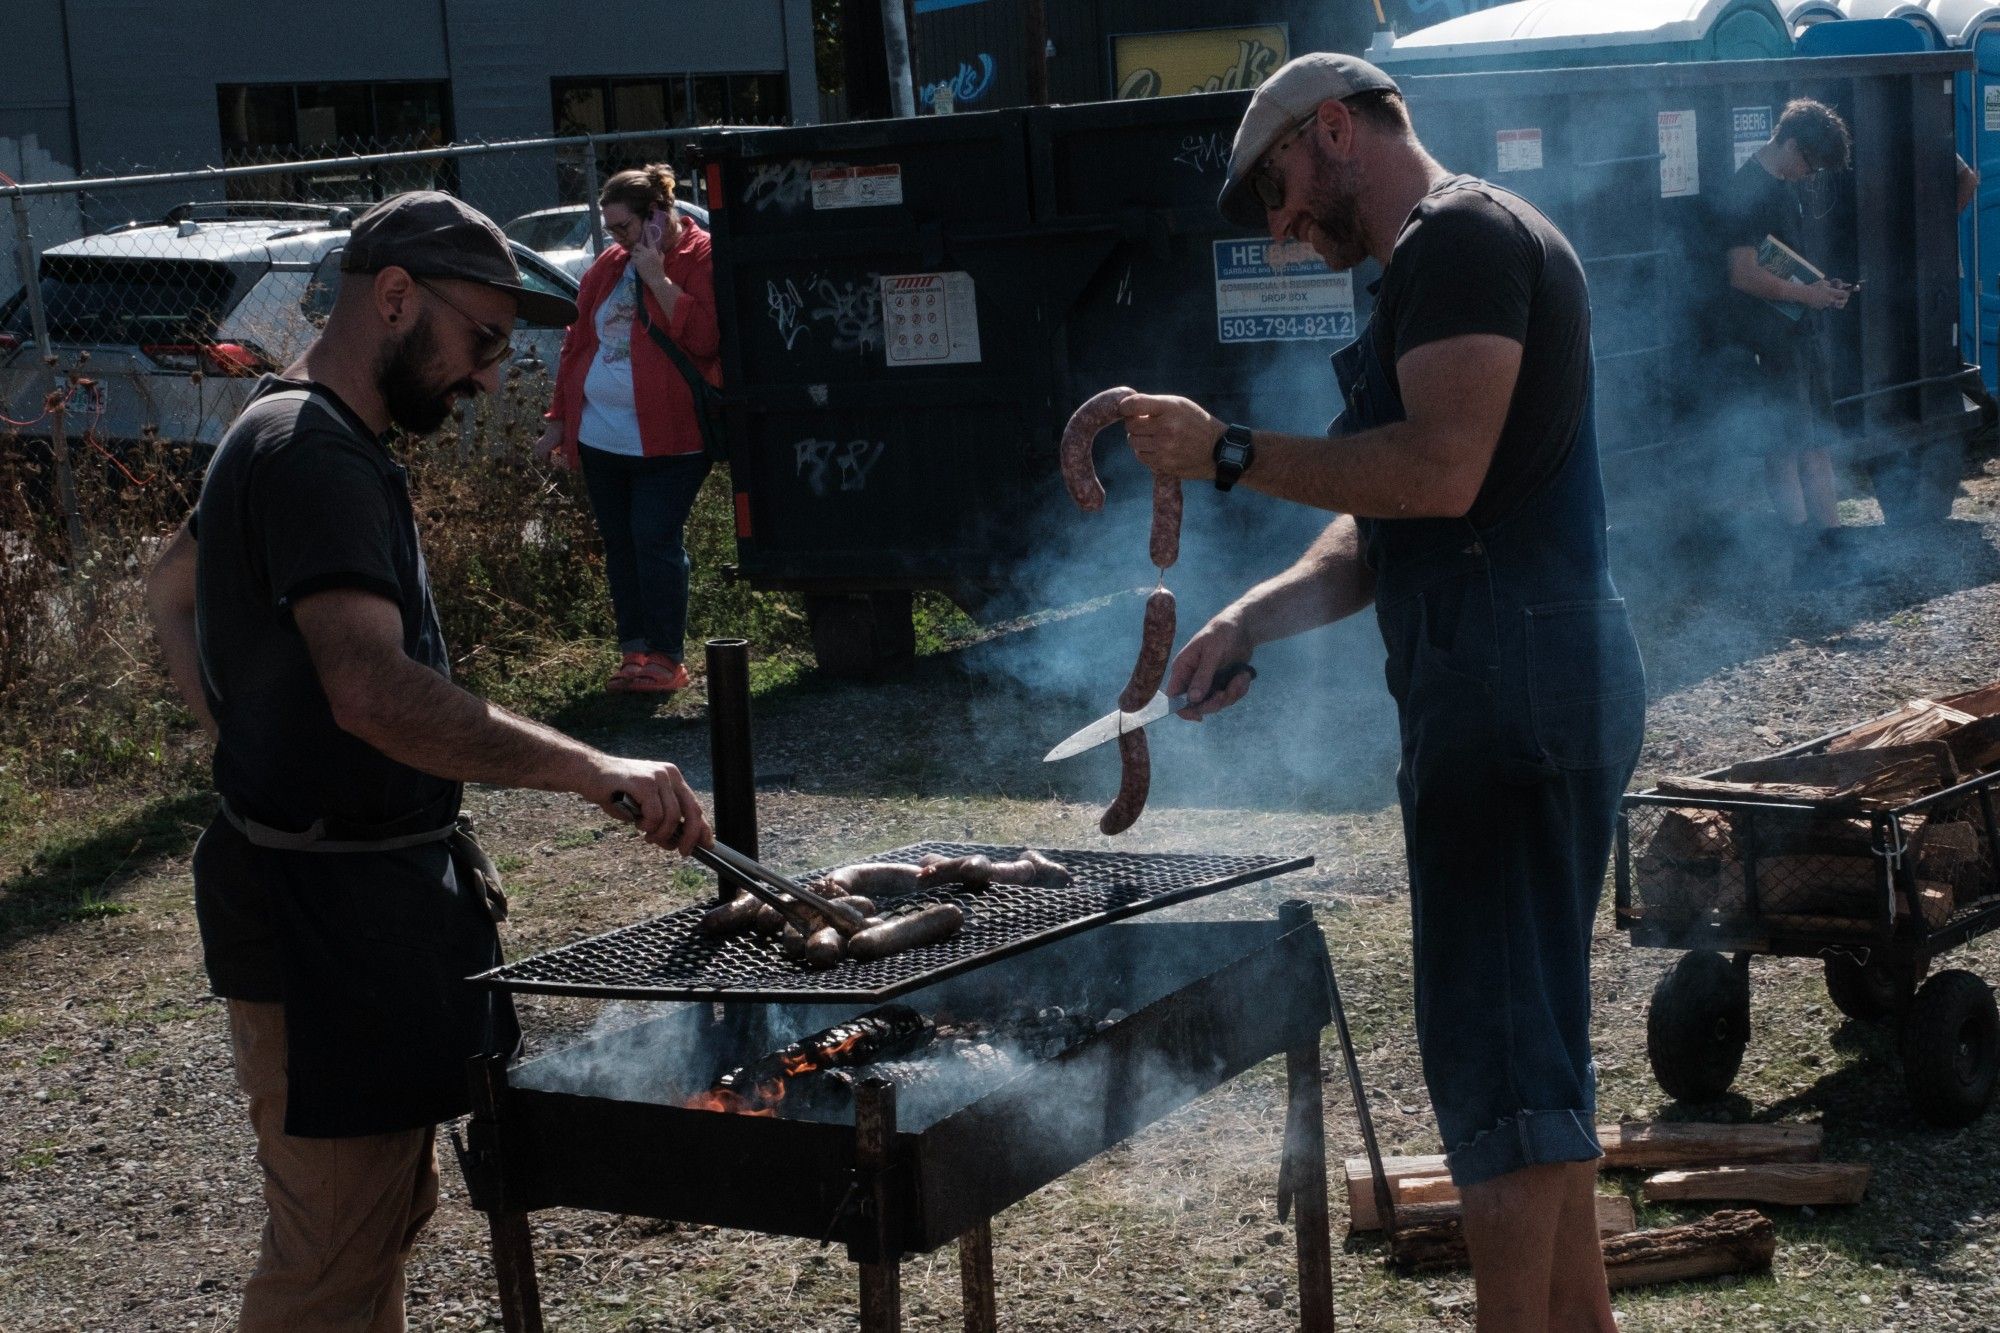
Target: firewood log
{"x": 1430, "y": 1237}
{"x": 1975, "y": 747}
{"x": 1883, "y": 789}
{"x": 1739, "y": 1240}
{"x": 1638, "y": 1145}
{"x": 1817, "y": 1183}
{"x": 1982, "y": 702}
{"x": 1840, "y": 768}
{"x": 1917, "y": 720}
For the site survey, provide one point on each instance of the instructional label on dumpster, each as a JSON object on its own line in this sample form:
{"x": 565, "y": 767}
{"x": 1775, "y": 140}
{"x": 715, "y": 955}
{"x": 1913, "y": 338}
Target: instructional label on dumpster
{"x": 1279, "y": 291}
{"x": 1749, "y": 130}
{"x": 857, "y": 187}
{"x": 1680, "y": 158}
{"x": 1518, "y": 150}
{"x": 930, "y": 319}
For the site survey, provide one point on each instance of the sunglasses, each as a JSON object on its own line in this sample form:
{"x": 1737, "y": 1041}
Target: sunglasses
{"x": 494, "y": 343}
{"x": 1264, "y": 182}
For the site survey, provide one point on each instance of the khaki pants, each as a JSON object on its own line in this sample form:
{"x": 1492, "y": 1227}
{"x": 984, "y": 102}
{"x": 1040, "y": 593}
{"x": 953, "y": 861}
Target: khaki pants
{"x": 342, "y": 1213}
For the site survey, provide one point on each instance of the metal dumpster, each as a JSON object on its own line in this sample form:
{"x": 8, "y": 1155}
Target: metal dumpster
{"x": 1090, "y": 253}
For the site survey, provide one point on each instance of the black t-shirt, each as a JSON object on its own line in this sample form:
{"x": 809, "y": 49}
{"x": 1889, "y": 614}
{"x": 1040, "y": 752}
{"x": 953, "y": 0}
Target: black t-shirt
{"x": 1474, "y": 258}
{"x": 1754, "y": 204}
{"x": 299, "y": 498}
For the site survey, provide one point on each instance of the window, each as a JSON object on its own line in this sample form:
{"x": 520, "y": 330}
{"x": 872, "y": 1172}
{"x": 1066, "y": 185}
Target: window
{"x": 669, "y": 101}
{"x": 291, "y": 122}
{"x": 115, "y": 299}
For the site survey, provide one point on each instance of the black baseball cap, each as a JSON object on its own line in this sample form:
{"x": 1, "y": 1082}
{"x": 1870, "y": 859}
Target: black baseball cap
{"x": 430, "y": 234}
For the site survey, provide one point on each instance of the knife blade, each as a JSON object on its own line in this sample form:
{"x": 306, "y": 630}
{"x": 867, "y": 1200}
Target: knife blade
{"x": 1116, "y": 723}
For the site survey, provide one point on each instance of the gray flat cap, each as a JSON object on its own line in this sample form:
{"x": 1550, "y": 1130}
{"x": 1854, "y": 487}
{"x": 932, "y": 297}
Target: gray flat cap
{"x": 1291, "y": 94}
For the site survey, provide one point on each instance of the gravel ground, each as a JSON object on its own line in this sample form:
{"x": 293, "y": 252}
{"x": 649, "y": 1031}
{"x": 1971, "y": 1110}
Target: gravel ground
{"x": 128, "y": 1199}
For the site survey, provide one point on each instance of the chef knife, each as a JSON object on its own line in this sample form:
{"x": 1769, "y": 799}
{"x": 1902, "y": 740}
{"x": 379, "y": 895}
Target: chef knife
{"x": 1115, "y": 723}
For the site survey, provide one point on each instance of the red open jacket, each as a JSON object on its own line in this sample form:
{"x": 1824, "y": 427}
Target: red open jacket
{"x": 666, "y": 407}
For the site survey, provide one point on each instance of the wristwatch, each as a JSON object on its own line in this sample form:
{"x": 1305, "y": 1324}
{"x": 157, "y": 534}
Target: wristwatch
{"x": 1233, "y": 455}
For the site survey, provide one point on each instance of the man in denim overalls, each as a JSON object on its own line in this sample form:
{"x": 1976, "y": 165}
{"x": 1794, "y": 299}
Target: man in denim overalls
{"x": 1465, "y": 473}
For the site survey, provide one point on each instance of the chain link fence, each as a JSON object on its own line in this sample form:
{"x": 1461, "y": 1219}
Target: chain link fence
{"x": 160, "y": 296}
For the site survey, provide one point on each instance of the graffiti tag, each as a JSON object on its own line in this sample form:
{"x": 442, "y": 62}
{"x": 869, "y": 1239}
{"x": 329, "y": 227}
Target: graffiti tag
{"x": 780, "y": 185}
{"x": 851, "y": 310}
{"x": 1203, "y": 152}
{"x": 786, "y": 307}
{"x": 829, "y": 466}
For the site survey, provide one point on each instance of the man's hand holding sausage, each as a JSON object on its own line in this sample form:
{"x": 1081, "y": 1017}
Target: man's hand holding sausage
{"x": 1221, "y": 641}
{"x": 1173, "y": 436}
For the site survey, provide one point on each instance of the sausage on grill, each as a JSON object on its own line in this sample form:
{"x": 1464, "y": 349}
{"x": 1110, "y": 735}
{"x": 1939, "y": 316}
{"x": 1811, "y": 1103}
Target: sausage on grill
{"x": 939, "y": 921}
{"x": 871, "y": 877}
{"x": 1137, "y": 760}
{"x": 1156, "y": 645}
{"x": 978, "y": 872}
{"x": 1079, "y": 471}
{"x": 730, "y": 917}
{"x": 823, "y": 947}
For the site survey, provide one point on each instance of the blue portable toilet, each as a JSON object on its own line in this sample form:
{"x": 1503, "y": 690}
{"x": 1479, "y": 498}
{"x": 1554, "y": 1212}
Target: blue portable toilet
{"x": 1550, "y": 34}
{"x": 1802, "y": 14}
{"x": 1874, "y": 27}
{"x": 1974, "y": 25}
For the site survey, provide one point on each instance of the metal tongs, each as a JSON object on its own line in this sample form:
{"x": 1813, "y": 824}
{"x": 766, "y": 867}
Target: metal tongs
{"x": 765, "y": 883}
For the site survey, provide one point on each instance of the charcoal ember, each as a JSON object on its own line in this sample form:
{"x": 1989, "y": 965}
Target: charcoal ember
{"x": 892, "y": 1030}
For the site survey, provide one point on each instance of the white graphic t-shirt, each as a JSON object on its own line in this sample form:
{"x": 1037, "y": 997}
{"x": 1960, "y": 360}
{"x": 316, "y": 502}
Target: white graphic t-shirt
{"x": 610, "y": 414}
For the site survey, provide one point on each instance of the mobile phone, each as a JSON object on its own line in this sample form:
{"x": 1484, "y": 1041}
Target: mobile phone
{"x": 655, "y": 232}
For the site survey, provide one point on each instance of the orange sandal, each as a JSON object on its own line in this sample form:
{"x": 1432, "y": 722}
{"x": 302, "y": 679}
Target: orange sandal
{"x": 656, "y": 673}
{"x": 628, "y": 671}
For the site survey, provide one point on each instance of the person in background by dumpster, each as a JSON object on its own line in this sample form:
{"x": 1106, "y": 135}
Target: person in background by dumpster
{"x": 625, "y": 412}
{"x": 341, "y": 902}
{"x": 1770, "y": 333}
{"x": 1465, "y": 471}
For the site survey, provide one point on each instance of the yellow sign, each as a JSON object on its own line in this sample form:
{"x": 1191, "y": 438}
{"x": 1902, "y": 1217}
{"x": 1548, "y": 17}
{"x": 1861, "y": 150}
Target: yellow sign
{"x": 1205, "y": 60}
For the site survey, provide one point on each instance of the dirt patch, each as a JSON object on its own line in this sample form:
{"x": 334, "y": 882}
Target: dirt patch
{"x": 131, "y": 1201}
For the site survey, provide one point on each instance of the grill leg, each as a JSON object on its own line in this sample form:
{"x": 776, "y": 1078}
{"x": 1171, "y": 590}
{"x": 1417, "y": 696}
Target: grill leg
{"x": 874, "y": 1152}
{"x": 514, "y": 1267}
{"x": 975, "y": 1278}
{"x": 1305, "y": 1158}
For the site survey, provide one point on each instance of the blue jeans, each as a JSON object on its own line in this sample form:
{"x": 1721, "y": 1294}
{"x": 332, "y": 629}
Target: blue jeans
{"x": 642, "y": 508}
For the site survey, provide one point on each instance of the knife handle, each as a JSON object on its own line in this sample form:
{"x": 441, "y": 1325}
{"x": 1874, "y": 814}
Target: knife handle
{"x": 1225, "y": 677}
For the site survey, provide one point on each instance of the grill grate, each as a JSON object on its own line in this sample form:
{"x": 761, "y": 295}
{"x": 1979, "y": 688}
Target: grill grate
{"x": 666, "y": 958}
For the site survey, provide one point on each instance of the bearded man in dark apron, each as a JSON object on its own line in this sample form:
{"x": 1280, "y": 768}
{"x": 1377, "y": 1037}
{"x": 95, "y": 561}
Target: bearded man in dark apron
{"x": 1465, "y": 472}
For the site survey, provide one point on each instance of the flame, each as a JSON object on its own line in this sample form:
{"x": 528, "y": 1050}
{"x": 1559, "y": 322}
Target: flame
{"x": 768, "y": 1096}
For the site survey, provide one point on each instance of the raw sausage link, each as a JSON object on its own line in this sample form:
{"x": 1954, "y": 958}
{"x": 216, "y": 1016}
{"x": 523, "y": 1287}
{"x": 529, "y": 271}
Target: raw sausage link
{"x": 1079, "y": 472}
{"x": 1137, "y": 760}
{"x": 1165, "y": 543}
{"x": 1156, "y": 645}
{"x": 939, "y": 921}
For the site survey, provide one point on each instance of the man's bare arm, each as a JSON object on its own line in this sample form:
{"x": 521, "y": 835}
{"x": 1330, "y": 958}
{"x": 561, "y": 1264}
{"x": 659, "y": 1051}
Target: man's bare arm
{"x": 1328, "y": 583}
{"x": 416, "y": 717}
{"x": 1455, "y": 391}
{"x": 170, "y": 604}
{"x": 1746, "y": 275}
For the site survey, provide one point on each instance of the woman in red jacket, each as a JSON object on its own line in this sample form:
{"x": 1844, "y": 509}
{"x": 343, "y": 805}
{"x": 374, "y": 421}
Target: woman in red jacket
{"x": 625, "y": 414}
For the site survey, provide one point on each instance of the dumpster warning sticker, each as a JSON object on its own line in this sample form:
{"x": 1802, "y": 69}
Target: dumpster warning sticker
{"x": 857, "y": 187}
{"x": 1749, "y": 130}
{"x": 1680, "y": 159}
{"x": 1518, "y": 150}
{"x": 930, "y": 319}
{"x": 1279, "y": 291}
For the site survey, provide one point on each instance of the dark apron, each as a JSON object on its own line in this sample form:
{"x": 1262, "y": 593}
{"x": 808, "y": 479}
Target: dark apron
{"x": 1521, "y": 699}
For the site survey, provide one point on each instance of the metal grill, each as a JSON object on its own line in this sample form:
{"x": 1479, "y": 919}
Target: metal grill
{"x": 667, "y": 958}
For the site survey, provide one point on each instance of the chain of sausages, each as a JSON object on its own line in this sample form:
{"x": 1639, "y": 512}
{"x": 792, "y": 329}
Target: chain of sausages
{"x": 1156, "y": 643}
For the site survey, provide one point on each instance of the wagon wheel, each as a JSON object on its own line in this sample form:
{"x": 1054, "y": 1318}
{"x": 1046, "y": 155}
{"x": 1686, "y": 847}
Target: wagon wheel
{"x": 1951, "y": 1048}
{"x": 1872, "y": 991}
{"x": 1697, "y": 1026}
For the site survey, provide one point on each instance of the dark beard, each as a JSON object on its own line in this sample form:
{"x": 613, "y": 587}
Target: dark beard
{"x": 415, "y": 402}
{"x": 1333, "y": 202}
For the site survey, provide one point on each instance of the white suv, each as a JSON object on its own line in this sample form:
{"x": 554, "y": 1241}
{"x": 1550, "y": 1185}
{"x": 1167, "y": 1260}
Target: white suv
{"x": 180, "y": 316}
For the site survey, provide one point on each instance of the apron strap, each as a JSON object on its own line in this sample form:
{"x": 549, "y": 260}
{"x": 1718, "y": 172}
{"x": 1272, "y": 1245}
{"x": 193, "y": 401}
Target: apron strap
{"x": 314, "y": 839}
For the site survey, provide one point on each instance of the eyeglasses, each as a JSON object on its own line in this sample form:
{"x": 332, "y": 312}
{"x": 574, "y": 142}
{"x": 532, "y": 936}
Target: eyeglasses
{"x": 1264, "y": 182}
{"x": 494, "y": 343}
